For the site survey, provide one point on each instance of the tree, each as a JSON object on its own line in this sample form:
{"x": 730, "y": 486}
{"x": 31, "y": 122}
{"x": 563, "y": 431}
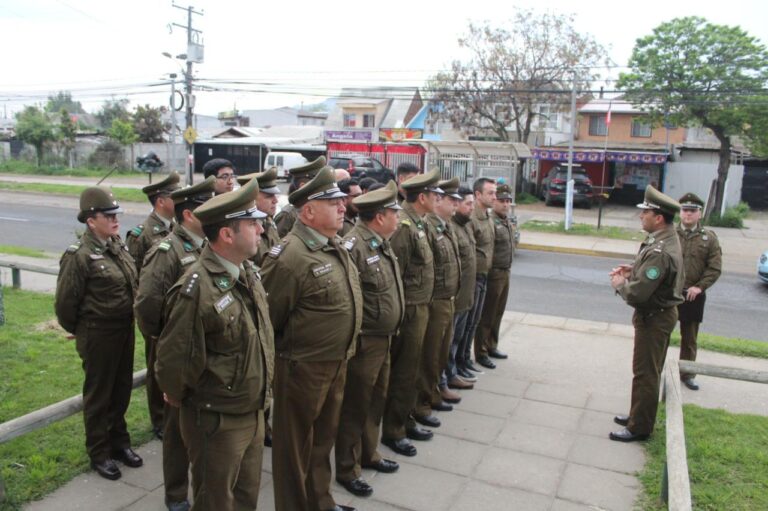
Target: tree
{"x": 113, "y": 109}
{"x": 63, "y": 100}
{"x": 66, "y": 134}
{"x": 33, "y": 127}
{"x": 122, "y": 132}
{"x": 694, "y": 72}
{"x": 531, "y": 61}
{"x": 148, "y": 123}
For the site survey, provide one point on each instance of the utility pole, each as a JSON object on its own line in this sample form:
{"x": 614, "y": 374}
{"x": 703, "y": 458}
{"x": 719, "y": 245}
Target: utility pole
{"x": 173, "y": 119}
{"x": 194, "y": 54}
{"x": 569, "y": 180}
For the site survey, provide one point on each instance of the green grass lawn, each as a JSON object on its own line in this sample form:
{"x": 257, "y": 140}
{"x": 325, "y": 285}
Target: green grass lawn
{"x": 606, "y": 231}
{"x": 122, "y": 194}
{"x": 39, "y": 367}
{"x": 21, "y": 251}
{"x": 730, "y": 345}
{"x": 30, "y": 169}
{"x": 727, "y": 460}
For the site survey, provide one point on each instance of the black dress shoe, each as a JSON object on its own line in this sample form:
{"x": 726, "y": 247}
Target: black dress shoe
{"x": 442, "y": 407}
{"x": 466, "y": 374}
{"x": 357, "y": 487}
{"x": 486, "y": 362}
{"x": 267, "y": 440}
{"x": 625, "y": 435}
{"x": 402, "y": 446}
{"x": 472, "y": 367}
{"x": 384, "y": 466}
{"x": 417, "y": 433}
{"x": 106, "y": 469}
{"x": 128, "y": 457}
{"x": 621, "y": 420}
{"x": 688, "y": 382}
{"x": 428, "y": 420}
{"x": 158, "y": 431}
{"x": 494, "y": 353}
{"x": 339, "y": 507}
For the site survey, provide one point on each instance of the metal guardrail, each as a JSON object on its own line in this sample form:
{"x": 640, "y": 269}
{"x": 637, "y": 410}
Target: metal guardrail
{"x": 16, "y": 269}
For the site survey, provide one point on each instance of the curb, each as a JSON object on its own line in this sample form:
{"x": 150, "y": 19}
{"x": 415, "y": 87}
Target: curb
{"x": 575, "y": 251}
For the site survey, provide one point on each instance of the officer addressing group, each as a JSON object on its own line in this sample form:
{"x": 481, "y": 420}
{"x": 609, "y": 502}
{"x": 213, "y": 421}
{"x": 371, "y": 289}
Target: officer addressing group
{"x": 315, "y": 303}
{"x": 653, "y": 286}
{"x": 215, "y": 355}
{"x": 299, "y": 177}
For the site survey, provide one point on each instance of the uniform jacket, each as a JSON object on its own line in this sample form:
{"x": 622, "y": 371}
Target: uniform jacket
{"x": 141, "y": 238}
{"x": 656, "y": 280}
{"x": 269, "y": 238}
{"x": 702, "y": 257}
{"x": 95, "y": 282}
{"x": 462, "y": 226}
{"x": 445, "y": 250}
{"x": 285, "y": 220}
{"x": 216, "y": 350}
{"x": 315, "y": 300}
{"x": 503, "y": 243}
{"x": 414, "y": 255}
{"x": 348, "y": 225}
{"x": 383, "y": 294}
{"x": 482, "y": 228}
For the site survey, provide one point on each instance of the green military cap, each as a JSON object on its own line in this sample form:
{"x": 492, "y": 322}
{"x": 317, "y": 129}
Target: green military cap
{"x": 239, "y": 204}
{"x": 309, "y": 170}
{"x": 267, "y": 181}
{"x": 654, "y": 199}
{"x": 382, "y": 198}
{"x": 97, "y": 199}
{"x": 166, "y": 186}
{"x": 450, "y": 187}
{"x": 198, "y": 193}
{"x": 691, "y": 201}
{"x": 504, "y": 192}
{"x": 426, "y": 182}
{"x": 323, "y": 186}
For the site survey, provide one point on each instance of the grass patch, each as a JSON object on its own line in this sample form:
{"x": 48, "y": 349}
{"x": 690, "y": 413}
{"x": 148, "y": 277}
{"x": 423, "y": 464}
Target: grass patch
{"x": 607, "y": 231}
{"x": 40, "y": 367}
{"x": 27, "y": 168}
{"x": 730, "y": 345}
{"x": 733, "y": 217}
{"x": 727, "y": 460}
{"x": 526, "y": 198}
{"x": 21, "y": 251}
{"x": 122, "y": 194}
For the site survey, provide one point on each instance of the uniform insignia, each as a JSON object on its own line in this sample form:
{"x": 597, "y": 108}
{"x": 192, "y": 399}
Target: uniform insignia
{"x": 319, "y": 271}
{"x": 350, "y": 243}
{"x": 223, "y": 282}
{"x": 374, "y": 243}
{"x": 421, "y": 234}
{"x": 73, "y": 248}
{"x": 188, "y": 247}
{"x": 406, "y": 222}
{"x": 224, "y": 302}
{"x": 440, "y": 228}
{"x": 275, "y": 251}
{"x": 164, "y": 246}
{"x": 373, "y": 260}
{"x": 652, "y": 273}
{"x": 156, "y": 229}
{"x": 97, "y": 250}
{"x": 439, "y": 238}
{"x": 705, "y": 237}
{"x": 186, "y": 260}
{"x": 311, "y": 242}
{"x": 96, "y": 257}
{"x": 136, "y": 231}
{"x": 189, "y": 286}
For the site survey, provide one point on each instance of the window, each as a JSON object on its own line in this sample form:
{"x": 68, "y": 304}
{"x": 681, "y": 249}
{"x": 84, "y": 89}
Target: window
{"x": 369, "y": 121}
{"x": 349, "y": 120}
{"x": 597, "y": 125}
{"x": 548, "y": 118}
{"x": 640, "y": 128}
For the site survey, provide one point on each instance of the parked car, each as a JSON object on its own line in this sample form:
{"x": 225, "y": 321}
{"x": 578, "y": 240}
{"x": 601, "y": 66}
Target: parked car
{"x": 284, "y": 161}
{"x": 363, "y": 166}
{"x": 554, "y": 184}
{"x": 762, "y": 267}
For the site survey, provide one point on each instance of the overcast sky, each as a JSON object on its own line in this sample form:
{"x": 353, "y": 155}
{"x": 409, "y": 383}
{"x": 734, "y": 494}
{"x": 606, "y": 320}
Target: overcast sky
{"x": 96, "y": 48}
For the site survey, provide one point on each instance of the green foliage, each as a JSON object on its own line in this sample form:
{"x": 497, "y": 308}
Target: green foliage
{"x": 606, "y": 231}
{"x": 63, "y": 101}
{"x": 733, "y": 217}
{"x": 122, "y": 194}
{"x": 108, "y": 154}
{"x": 148, "y": 123}
{"x": 730, "y": 345}
{"x": 122, "y": 132}
{"x": 33, "y": 127}
{"x": 21, "y": 251}
{"x": 26, "y": 168}
{"x": 526, "y": 198}
{"x": 113, "y": 109}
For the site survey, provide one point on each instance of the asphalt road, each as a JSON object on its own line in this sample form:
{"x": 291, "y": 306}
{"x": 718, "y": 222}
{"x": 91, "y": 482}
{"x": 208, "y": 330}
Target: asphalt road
{"x": 578, "y": 287}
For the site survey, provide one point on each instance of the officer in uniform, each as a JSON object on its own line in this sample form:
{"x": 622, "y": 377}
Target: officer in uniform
{"x": 224, "y": 172}
{"x": 368, "y": 371}
{"x": 266, "y": 202}
{"x": 352, "y": 188}
{"x": 299, "y": 177}
{"x": 437, "y": 339}
{"x": 316, "y": 306}
{"x": 94, "y": 301}
{"x": 653, "y": 286}
{"x": 410, "y": 244}
{"x": 487, "y": 335}
{"x": 703, "y": 261}
{"x": 215, "y": 355}
{"x": 164, "y": 265}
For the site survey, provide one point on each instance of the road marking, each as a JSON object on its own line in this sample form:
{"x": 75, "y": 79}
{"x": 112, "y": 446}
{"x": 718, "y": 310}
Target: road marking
{"x": 13, "y": 219}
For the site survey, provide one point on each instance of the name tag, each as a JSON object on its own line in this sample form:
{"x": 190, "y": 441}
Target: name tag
{"x": 421, "y": 234}
{"x": 186, "y": 260}
{"x": 440, "y": 238}
{"x": 373, "y": 260}
{"x": 96, "y": 257}
{"x": 322, "y": 270}
{"x": 224, "y": 302}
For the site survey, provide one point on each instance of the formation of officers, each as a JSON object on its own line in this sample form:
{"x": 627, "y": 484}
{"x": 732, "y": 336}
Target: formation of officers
{"x": 346, "y": 319}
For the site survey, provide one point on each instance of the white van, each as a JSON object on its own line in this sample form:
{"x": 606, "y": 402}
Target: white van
{"x": 284, "y": 161}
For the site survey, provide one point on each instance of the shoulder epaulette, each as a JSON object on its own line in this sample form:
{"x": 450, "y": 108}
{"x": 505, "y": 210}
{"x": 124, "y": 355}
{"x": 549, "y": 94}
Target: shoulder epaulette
{"x": 348, "y": 244}
{"x": 275, "y": 251}
{"x": 136, "y": 231}
{"x": 74, "y": 247}
{"x": 188, "y": 288}
{"x": 164, "y": 245}
{"x": 406, "y": 221}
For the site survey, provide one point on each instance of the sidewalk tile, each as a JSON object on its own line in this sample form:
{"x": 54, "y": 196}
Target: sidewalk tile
{"x": 483, "y": 496}
{"x": 602, "y": 488}
{"x": 369, "y": 504}
{"x": 486, "y": 403}
{"x": 545, "y": 321}
{"x": 610, "y": 403}
{"x": 89, "y": 491}
{"x": 513, "y": 469}
{"x": 500, "y": 383}
{"x": 597, "y": 424}
{"x": 449, "y": 455}
{"x": 469, "y": 426}
{"x": 150, "y": 475}
{"x": 536, "y": 439}
{"x": 557, "y": 394}
{"x": 583, "y": 325}
{"x": 622, "y": 330}
{"x": 416, "y": 488}
{"x": 151, "y": 501}
{"x": 628, "y": 458}
{"x": 546, "y": 414}
{"x": 566, "y": 505}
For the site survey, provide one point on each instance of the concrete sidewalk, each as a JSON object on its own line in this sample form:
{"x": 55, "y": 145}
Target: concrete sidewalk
{"x": 532, "y": 435}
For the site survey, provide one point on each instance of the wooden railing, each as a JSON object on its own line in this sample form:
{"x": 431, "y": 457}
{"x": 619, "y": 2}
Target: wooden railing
{"x": 16, "y": 269}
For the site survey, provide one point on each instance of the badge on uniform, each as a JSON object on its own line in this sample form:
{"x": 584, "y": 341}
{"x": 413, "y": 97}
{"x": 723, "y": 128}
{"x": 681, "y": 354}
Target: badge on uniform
{"x": 224, "y": 302}
{"x": 374, "y": 243}
{"x": 188, "y": 246}
{"x": 96, "y": 256}
{"x": 349, "y": 244}
{"x": 222, "y": 282}
{"x": 373, "y": 260}
{"x": 705, "y": 237}
{"x": 421, "y": 234}
{"x": 275, "y": 251}
{"x": 652, "y": 273}
{"x": 319, "y": 271}
{"x": 186, "y": 260}
{"x": 156, "y": 229}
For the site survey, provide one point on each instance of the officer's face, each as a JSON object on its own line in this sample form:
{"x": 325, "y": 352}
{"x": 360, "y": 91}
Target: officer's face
{"x": 466, "y": 206}
{"x": 164, "y": 206}
{"x": 247, "y": 237}
{"x": 354, "y": 191}
{"x": 225, "y": 180}
{"x": 501, "y": 206}
{"x": 104, "y": 225}
{"x": 445, "y": 207}
{"x": 327, "y": 216}
{"x": 487, "y": 195}
{"x": 429, "y": 201}
{"x": 389, "y": 222}
{"x": 690, "y": 216}
{"x": 649, "y": 220}
{"x": 267, "y": 203}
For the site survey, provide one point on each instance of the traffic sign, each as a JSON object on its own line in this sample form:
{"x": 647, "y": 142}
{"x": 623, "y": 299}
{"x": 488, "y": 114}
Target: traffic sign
{"x": 190, "y": 135}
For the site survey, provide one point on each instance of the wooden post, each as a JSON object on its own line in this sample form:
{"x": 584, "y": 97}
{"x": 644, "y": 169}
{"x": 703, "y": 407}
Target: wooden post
{"x": 678, "y": 482}
{"x": 731, "y": 373}
{"x": 16, "y": 277}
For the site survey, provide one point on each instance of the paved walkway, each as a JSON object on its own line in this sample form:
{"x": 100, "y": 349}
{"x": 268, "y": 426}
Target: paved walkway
{"x": 532, "y": 435}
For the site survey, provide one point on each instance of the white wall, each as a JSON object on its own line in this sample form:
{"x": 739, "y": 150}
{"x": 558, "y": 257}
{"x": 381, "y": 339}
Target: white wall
{"x": 696, "y": 177}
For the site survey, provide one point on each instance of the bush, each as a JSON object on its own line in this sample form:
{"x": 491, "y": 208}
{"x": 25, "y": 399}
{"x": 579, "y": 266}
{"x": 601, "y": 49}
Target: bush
{"x": 733, "y": 217}
{"x": 108, "y": 154}
{"x": 525, "y": 198}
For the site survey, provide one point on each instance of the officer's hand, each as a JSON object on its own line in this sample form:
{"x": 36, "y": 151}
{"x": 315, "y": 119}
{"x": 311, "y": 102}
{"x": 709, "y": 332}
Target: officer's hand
{"x": 617, "y": 280}
{"x": 171, "y": 401}
{"x": 693, "y": 292}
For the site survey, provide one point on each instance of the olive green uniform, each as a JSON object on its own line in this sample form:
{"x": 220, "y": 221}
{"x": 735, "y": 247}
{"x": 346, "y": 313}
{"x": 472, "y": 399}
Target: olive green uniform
{"x": 164, "y": 265}
{"x": 216, "y": 356}
{"x": 703, "y": 261}
{"x": 439, "y": 333}
{"x": 285, "y": 220}
{"x": 365, "y": 391}
{"x": 269, "y": 238}
{"x": 348, "y": 225}
{"x": 94, "y": 301}
{"x": 483, "y": 232}
{"x": 410, "y": 244}
{"x": 653, "y": 289}
{"x": 487, "y": 335}
{"x": 315, "y": 303}
{"x": 142, "y": 237}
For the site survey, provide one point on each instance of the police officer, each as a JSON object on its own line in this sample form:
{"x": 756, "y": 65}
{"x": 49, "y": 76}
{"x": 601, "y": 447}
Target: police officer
{"x": 299, "y": 177}
{"x": 352, "y": 188}
{"x": 653, "y": 286}
{"x": 487, "y": 335}
{"x": 316, "y": 305}
{"x": 215, "y": 355}
{"x": 94, "y": 301}
{"x": 437, "y": 338}
{"x": 224, "y": 172}
{"x": 410, "y": 244}
{"x": 702, "y": 260}
{"x": 368, "y": 371}
{"x": 266, "y": 202}
{"x": 164, "y": 265}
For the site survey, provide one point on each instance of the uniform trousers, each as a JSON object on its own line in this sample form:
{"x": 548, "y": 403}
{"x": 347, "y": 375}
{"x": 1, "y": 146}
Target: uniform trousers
{"x": 106, "y": 349}
{"x": 487, "y": 335}
{"x": 691, "y": 315}
{"x": 405, "y": 360}
{"x": 365, "y": 393}
{"x": 459, "y": 327}
{"x": 652, "y": 331}
{"x": 225, "y": 451}
{"x": 175, "y": 458}
{"x": 434, "y": 355}
{"x": 464, "y": 352}
{"x": 306, "y": 409}
{"x": 154, "y": 394}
